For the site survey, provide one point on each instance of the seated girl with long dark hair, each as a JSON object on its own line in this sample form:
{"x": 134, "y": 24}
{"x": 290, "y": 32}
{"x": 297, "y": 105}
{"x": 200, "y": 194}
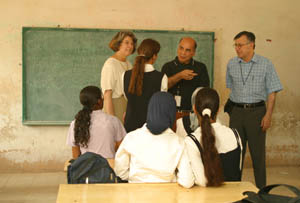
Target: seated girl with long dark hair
{"x": 93, "y": 130}
{"x": 220, "y": 155}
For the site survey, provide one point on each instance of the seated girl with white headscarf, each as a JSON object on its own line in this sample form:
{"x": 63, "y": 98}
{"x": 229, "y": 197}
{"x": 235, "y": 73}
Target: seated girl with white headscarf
{"x": 152, "y": 154}
{"x": 188, "y": 124}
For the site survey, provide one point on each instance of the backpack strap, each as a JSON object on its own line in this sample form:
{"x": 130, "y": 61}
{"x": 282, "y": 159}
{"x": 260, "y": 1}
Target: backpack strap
{"x": 268, "y": 188}
{"x": 237, "y": 137}
{"x": 197, "y": 144}
{"x": 263, "y": 195}
{"x": 186, "y": 124}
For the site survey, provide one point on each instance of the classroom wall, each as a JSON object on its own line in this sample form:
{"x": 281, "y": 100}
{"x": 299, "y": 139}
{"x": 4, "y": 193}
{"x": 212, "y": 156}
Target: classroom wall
{"x": 275, "y": 23}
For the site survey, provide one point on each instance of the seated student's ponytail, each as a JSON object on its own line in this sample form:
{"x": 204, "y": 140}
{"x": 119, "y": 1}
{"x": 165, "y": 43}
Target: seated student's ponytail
{"x": 89, "y": 97}
{"x": 207, "y": 105}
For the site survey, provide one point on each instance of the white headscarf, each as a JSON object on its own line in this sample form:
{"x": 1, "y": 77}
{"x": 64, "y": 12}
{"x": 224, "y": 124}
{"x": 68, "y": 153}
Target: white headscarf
{"x": 193, "y": 117}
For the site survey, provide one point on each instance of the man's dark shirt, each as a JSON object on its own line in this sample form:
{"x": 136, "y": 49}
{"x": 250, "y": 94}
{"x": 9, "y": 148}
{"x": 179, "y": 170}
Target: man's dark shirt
{"x": 185, "y": 88}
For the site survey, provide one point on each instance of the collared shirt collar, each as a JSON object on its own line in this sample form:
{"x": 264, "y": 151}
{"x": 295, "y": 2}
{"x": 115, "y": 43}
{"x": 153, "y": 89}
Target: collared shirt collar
{"x": 191, "y": 63}
{"x": 149, "y": 68}
{"x": 254, "y": 59}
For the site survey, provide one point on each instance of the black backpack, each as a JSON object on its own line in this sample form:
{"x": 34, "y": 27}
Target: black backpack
{"x": 91, "y": 168}
{"x": 264, "y": 196}
{"x": 232, "y": 161}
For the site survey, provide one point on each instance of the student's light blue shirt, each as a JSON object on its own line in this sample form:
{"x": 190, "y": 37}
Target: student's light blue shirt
{"x": 253, "y": 81}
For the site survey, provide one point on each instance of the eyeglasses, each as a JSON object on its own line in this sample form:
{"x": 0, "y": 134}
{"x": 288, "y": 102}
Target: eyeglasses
{"x": 240, "y": 45}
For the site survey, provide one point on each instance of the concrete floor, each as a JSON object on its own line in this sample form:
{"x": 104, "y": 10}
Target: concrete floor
{"x": 43, "y": 187}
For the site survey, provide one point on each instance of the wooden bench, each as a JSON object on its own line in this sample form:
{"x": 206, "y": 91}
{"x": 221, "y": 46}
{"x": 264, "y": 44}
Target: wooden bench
{"x": 151, "y": 192}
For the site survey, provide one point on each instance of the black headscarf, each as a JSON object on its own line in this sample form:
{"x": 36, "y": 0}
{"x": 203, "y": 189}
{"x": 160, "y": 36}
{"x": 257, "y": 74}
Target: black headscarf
{"x": 161, "y": 112}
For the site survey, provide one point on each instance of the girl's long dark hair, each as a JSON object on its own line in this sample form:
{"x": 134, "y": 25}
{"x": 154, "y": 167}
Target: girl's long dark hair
{"x": 208, "y": 98}
{"x": 146, "y": 50}
{"x": 89, "y": 97}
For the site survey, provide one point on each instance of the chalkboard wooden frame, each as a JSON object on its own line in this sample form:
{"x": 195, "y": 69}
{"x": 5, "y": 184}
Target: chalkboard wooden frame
{"x": 49, "y": 53}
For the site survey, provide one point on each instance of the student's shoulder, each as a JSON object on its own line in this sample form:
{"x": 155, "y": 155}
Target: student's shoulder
{"x": 170, "y": 135}
{"x": 179, "y": 121}
{"x": 177, "y": 140}
{"x": 155, "y": 73}
{"x": 72, "y": 123}
{"x": 106, "y": 116}
{"x": 137, "y": 135}
{"x": 196, "y": 134}
{"x": 223, "y": 132}
{"x": 190, "y": 144}
{"x": 113, "y": 119}
{"x": 225, "y": 138}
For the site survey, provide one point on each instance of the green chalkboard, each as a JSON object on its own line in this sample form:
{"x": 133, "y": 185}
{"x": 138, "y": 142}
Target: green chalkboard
{"x": 59, "y": 62}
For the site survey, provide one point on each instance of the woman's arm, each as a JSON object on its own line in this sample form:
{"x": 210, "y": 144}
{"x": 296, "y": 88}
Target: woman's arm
{"x": 180, "y": 131}
{"x": 185, "y": 174}
{"x": 195, "y": 160}
{"x": 164, "y": 84}
{"x": 117, "y": 145}
{"x": 76, "y": 152}
{"x": 108, "y": 105}
{"x": 122, "y": 161}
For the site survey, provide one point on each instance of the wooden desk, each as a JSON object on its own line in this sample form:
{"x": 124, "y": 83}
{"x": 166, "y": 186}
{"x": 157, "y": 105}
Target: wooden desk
{"x": 110, "y": 161}
{"x": 148, "y": 192}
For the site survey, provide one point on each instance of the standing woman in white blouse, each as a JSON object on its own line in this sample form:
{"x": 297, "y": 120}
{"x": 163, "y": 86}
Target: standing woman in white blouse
{"x": 123, "y": 44}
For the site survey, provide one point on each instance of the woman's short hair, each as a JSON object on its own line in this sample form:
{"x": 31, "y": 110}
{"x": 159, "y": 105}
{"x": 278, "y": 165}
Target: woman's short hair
{"x": 119, "y": 37}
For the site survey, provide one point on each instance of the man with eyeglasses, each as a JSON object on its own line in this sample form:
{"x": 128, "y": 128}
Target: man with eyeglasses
{"x": 254, "y": 84}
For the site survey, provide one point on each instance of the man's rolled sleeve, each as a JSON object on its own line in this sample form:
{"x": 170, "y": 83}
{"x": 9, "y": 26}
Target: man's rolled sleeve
{"x": 272, "y": 80}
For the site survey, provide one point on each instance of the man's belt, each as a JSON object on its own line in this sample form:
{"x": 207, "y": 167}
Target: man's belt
{"x": 249, "y": 105}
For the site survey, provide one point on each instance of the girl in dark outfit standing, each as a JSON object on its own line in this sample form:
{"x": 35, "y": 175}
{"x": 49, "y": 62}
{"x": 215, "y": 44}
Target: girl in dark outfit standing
{"x": 140, "y": 83}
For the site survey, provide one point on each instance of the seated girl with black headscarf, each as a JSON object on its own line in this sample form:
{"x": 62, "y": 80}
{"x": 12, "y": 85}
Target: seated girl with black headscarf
{"x": 152, "y": 154}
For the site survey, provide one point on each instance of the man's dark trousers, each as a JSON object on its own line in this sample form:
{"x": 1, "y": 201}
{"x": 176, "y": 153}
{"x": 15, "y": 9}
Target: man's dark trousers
{"x": 248, "y": 123}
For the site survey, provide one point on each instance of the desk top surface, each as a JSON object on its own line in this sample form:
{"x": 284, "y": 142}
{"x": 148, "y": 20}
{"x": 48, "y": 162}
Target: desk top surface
{"x": 151, "y": 192}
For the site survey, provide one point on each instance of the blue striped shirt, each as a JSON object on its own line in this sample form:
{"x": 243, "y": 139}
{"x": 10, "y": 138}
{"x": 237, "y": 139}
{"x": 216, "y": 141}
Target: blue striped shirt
{"x": 253, "y": 81}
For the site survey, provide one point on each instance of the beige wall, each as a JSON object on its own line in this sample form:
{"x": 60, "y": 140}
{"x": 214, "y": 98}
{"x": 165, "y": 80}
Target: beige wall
{"x": 43, "y": 148}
